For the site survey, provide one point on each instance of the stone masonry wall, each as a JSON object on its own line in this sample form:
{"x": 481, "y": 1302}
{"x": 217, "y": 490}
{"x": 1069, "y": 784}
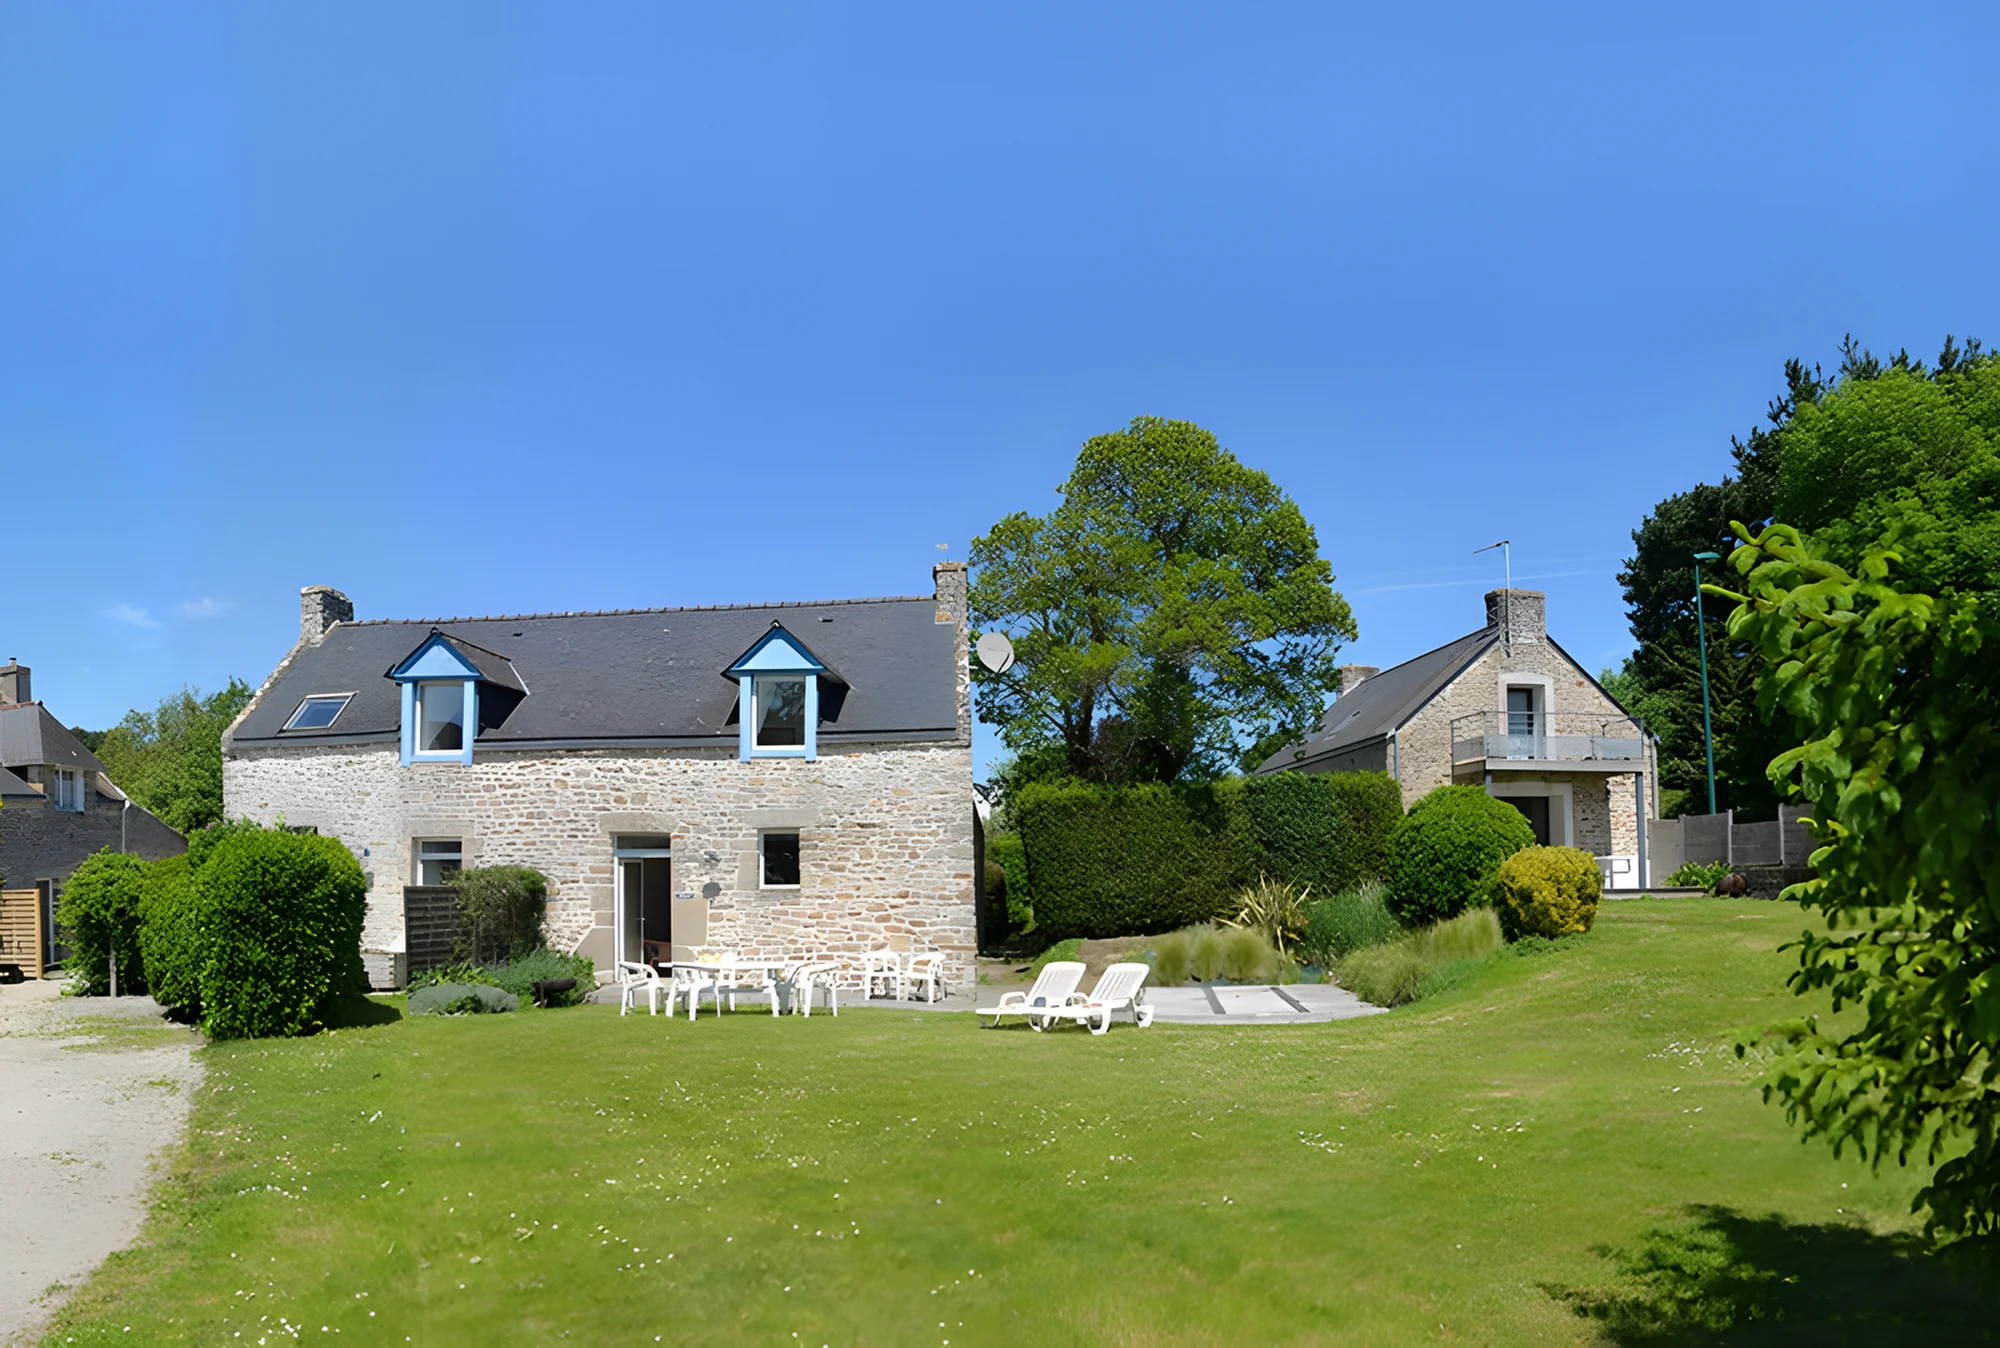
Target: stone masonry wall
{"x": 885, "y": 836}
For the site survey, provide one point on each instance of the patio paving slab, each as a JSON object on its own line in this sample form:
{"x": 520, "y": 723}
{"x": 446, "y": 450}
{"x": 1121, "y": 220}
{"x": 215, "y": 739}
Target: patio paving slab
{"x": 1292, "y": 1004}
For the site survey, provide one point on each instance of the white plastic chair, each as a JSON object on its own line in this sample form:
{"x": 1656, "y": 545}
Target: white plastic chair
{"x": 925, "y": 974}
{"x": 823, "y": 973}
{"x": 1053, "y": 985}
{"x": 688, "y": 983}
{"x": 1122, "y": 988}
{"x": 634, "y": 979}
{"x": 885, "y": 966}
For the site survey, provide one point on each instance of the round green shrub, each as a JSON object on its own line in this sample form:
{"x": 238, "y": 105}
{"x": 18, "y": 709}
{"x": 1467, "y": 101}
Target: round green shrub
{"x": 99, "y": 914}
{"x": 281, "y": 915}
{"x": 1446, "y": 853}
{"x": 1548, "y": 892}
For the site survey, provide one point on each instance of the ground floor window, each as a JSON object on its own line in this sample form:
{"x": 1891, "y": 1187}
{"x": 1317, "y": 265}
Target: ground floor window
{"x": 780, "y": 860}
{"x": 438, "y": 859}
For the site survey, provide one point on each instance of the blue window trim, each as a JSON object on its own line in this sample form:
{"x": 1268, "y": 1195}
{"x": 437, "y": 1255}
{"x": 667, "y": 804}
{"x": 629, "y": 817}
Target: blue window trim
{"x": 746, "y": 722}
{"x": 409, "y": 737}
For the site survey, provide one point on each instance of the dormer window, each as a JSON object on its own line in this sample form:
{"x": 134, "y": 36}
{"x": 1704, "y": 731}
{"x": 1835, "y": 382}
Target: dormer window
{"x": 778, "y": 709}
{"x": 318, "y": 711}
{"x": 452, "y": 689}
{"x": 778, "y": 697}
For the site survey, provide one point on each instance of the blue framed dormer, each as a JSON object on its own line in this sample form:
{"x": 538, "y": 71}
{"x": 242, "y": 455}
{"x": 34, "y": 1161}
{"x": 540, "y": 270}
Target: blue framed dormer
{"x": 440, "y": 703}
{"x": 777, "y": 691}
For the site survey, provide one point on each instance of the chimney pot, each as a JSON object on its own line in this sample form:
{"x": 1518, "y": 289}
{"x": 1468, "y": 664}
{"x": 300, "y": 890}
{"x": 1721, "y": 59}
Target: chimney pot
{"x": 320, "y": 607}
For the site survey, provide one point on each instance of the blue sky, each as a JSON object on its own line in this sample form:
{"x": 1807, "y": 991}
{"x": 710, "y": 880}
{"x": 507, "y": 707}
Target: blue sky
{"x": 489, "y": 308}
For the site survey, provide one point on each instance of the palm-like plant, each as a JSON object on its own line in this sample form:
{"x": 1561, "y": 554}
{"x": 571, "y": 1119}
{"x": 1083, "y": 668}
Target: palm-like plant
{"x": 1275, "y": 908}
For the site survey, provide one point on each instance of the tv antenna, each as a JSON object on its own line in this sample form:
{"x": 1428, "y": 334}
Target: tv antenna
{"x": 1506, "y": 595}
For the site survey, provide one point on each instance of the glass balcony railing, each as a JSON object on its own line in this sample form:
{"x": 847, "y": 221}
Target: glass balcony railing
{"x": 1546, "y": 737}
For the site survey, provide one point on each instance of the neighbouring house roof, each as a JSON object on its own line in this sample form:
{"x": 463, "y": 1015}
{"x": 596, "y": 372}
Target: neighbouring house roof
{"x": 10, "y": 786}
{"x": 1378, "y": 705}
{"x": 29, "y": 735}
{"x": 638, "y": 677}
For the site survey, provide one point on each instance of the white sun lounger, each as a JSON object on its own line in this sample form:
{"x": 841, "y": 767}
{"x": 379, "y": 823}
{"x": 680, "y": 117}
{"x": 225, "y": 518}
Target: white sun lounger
{"x": 1122, "y": 988}
{"x": 1053, "y": 986}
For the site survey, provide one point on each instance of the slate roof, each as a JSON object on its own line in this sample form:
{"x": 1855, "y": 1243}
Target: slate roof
{"x": 29, "y": 735}
{"x": 1378, "y": 705}
{"x": 10, "y": 785}
{"x": 634, "y": 678}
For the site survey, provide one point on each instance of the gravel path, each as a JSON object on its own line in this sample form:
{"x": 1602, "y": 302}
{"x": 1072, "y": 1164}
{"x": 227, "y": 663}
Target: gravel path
{"x": 91, "y": 1091}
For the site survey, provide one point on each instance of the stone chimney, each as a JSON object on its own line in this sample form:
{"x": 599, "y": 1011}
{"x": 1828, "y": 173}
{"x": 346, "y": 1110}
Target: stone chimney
{"x": 1351, "y": 677}
{"x": 14, "y": 682}
{"x": 1520, "y": 615}
{"x": 949, "y": 579}
{"x": 320, "y": 607}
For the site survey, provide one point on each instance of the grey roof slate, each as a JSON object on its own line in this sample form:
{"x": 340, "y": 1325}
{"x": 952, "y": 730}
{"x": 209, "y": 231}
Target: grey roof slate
{"x": 1380, "y": 704}
{"x": 649, "y": 676}
{"x": 29, "y": 735}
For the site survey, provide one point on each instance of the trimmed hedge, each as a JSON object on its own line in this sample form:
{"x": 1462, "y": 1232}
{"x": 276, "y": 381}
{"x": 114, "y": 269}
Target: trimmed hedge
{"x": 99, "y": 913}
{"x": 1446, "y": 853}
{"x": 1005, "y": 851}
{"x": 1327, "y": 830}
{"x": 1122, "y": 861}
{"x": 1138, "y": 860}
{"x": 1549, "y": 892}
{"x": 281, "y": 915}
{"x": 170, "y": 934}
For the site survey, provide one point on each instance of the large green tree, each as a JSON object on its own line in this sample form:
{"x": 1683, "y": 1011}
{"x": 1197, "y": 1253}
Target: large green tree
{"x": 1891, "y": 697}
{"x": 1171, "y": 613}
{"x": 1877, "y": 443}
{"x": 170, "y": 759}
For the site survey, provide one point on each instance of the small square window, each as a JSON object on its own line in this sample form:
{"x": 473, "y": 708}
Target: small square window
{"x": 781, "y": 860}
{"x": 438, "y": 859}
{"x": 440, "y": 718}
{"x": 318, "y": 711}
{"x": 780, "y": 710}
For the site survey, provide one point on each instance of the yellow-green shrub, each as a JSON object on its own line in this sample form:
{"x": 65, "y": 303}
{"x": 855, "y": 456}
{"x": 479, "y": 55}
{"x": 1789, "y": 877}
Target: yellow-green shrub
{"x": 1548, "y": 891}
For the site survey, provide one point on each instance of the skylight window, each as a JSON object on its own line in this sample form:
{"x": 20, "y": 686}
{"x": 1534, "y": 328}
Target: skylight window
{"x": 318, "y": 712}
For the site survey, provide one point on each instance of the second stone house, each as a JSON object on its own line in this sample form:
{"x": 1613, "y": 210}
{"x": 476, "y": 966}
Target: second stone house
{"x": 773, "y": 778}
{"x": 1507, "y": 708}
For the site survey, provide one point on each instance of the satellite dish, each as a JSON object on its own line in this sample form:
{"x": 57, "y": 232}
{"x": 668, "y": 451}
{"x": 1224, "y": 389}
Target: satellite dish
{"x": 996, "y": 652}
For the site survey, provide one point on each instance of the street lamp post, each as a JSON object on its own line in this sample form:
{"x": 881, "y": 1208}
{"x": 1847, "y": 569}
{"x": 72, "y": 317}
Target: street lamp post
{"x": 1701, "y": 636}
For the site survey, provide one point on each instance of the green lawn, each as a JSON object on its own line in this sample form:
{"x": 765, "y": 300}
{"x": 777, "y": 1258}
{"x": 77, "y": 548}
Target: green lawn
{"x": 1470, "y": 1169}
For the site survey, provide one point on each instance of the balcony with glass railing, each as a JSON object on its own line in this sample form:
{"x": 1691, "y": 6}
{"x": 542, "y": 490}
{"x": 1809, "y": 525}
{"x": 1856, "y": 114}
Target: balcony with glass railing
{"x": 1583, "y": 741}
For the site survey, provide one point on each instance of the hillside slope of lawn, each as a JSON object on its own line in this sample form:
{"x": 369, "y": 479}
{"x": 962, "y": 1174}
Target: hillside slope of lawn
{"x": 1468, "y": 1169}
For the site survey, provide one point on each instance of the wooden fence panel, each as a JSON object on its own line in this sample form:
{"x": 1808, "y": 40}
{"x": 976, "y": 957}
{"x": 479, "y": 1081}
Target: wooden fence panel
{"x": 431, "y": 926}
{"x": 21, "y": 930}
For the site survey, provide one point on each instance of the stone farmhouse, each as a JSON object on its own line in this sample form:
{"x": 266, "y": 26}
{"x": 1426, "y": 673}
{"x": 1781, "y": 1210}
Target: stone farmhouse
{"x": 57, "y": 806}
{"x": 1507, "y": 708}
{"x": 773, "y": 778}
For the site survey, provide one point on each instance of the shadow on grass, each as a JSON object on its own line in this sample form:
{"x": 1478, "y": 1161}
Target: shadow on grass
{"x": 357, "y": 1012}
{"x": 1723, "y": 1277}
